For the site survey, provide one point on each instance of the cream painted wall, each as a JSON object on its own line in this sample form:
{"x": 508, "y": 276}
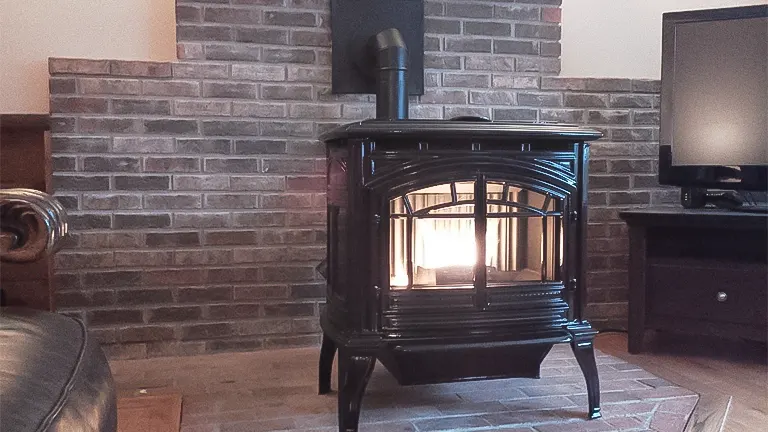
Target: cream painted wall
{"x": 621, "y": 38}
{"x": 601, "y": 38}
{"x": 33, "y": 30}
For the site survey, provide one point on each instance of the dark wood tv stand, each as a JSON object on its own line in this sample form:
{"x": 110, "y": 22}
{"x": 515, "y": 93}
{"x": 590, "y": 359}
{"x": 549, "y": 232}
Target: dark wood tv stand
{"x": 697, "y": 271}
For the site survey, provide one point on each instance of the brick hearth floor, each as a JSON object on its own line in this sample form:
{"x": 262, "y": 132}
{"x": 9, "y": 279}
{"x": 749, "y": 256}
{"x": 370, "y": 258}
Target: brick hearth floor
{"x": 276, "y": 391}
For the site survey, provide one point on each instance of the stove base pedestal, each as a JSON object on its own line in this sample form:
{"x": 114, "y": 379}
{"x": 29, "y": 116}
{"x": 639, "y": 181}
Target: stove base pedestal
{"x": 413, "y": 364}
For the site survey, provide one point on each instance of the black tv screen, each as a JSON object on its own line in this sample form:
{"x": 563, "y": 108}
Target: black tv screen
{"x": 714, "y": 99}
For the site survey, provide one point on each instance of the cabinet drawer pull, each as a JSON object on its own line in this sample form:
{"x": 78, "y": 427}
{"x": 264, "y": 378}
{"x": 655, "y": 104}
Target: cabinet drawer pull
{"x": 721, "y": 296}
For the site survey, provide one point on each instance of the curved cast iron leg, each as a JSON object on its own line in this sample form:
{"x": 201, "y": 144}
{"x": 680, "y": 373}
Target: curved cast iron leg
{"x": 327, "y": 352}
{"x": 354, "y": 372}
{"x": 583, "y": 350}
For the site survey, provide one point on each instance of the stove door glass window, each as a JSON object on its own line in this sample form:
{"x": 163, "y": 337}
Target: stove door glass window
{"x": 524, "y": 235}
{"x": 434, "y": 241}
{"x": 432, "y": 237}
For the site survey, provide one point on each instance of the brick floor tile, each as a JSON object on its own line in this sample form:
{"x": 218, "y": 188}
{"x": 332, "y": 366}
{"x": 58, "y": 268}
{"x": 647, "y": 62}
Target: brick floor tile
{"x": 278, "y": 391}
{"x": 656, "y": 382}
{"x": 467, "y": 408}
{"x": 626, "y": 422}
{"x": 661, "y": 393}
{"x": 491, "y": 395}
{"x": 620, "y": 385}
{"x": 627, "y": 409}
{"x": 577, "y": 426}
{"x": 683, "y": 405}
{"x": 625, "y": 367}
{"x": 555, "y": 390}
{"x": 668, "y": 422}
{"x": 533, "y": 403}
{"x": 450, "y": 423}
{"x": 521, "y": 418}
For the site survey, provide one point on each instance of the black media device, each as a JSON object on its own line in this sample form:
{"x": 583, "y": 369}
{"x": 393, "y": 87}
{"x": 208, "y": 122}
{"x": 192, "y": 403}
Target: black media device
{"x": 714, "y": 105}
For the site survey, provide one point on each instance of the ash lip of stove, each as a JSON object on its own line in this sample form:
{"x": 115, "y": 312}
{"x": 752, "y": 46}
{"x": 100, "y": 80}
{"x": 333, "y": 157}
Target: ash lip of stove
{"x": 456, "y": 249}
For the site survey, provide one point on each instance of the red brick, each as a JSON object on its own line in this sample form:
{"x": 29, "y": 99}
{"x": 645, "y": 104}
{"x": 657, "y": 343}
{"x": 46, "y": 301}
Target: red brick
{"x": 261, "y": 292}
{"x": 205, "y": 295}
{"x": 200, "y": 70}
{"x": 553, "y": 15}
{"x": 203, "y": 257}
{"x": 176, "y": 88}
{"x": 78, "y": 66}
{"x": 258, "y": 72}
{"x": 257, "y": 183}
{"x": 236, "y": 274}
{"x": 140, "y": 69}
{"x": 111, "y": 202}
{"x": 173, "y": 277}
{"x": 202, "y": 108}
{"x": 235, "y": 311}
{"x": 143, "y": 258}
{"x": 145, "y": 334}
{"x": 190, "y": 51}
{"x": 172, "y": 314}
{"x": 206, "y": 331}
{"x": 166, "y": 239}
{"x": 85, "y": 105}
{"x": 252, "y": 219}
{"x": 114, "y": 317}
{"x": 81, "y": 260}
{"x": 232, "y": 15}
{"x": 109, "y": 86}
{"x": 144, "y": 296}
{"x": 287, "y": 274}
{"x": 200, "y": 182}
{"x": 201, "y": 220}
{"x": 263, "y": 327}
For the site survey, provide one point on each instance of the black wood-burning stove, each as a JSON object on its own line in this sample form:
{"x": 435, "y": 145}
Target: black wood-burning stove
{"x": 456, "y": 248}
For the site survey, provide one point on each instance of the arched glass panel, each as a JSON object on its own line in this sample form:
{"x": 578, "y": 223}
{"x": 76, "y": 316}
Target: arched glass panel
{"x": 434, "y": 242}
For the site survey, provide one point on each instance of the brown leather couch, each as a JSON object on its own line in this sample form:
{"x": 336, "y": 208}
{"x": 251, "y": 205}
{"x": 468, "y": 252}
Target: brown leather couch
{"x": 53, "y": 377}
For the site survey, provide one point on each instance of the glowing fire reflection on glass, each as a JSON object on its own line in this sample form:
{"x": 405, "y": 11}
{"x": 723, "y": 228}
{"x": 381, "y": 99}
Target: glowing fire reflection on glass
{"x": 433, "y": 239}
{"x": 444, "y": 244}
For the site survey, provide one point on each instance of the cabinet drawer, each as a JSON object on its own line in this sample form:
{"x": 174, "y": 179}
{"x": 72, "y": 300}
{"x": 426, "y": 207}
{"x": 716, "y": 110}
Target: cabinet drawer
{"x": 722, "y": 292}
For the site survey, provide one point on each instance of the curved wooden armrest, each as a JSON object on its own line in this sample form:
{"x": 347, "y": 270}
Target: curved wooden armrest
{"x": 32, "y": 225}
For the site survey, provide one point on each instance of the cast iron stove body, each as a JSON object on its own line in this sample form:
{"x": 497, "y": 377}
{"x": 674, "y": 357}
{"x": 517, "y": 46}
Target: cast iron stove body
{"x": 456, "y": 251}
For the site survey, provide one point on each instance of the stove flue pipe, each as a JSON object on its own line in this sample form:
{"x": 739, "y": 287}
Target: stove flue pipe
{"x": 392, "y": 67}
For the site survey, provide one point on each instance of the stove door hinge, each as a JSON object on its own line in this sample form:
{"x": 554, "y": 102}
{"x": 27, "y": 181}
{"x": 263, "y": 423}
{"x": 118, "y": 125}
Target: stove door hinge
{"x": 574, "y": 216}
{"x": 573, "y": 284}
{"x": 376, "y": 219}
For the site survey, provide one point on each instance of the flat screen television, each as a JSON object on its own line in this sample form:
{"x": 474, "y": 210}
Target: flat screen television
{"x": 714, "y": 99}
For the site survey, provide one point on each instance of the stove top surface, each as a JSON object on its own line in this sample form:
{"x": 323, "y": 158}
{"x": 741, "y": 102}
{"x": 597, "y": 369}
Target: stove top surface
{"x": 463, "y": 127}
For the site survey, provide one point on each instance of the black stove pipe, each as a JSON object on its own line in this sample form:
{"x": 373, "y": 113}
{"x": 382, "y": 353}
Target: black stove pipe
{"x": 392, "y": 68}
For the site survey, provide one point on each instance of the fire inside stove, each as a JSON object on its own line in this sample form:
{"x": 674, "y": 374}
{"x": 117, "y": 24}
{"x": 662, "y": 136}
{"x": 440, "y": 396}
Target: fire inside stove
{"x": 435, "y": 242}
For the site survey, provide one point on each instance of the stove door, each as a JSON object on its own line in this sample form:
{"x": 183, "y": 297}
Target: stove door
{"x": 479, "y": 243}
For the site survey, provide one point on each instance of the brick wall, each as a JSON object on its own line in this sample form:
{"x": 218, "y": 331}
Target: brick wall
{"x": 196, "y": 188}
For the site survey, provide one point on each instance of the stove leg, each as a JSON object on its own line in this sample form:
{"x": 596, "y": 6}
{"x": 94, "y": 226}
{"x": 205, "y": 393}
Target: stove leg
{"x": 327, "y": 352}
{"x": 584, "y": 352}
{"x": 354, "y": 372}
